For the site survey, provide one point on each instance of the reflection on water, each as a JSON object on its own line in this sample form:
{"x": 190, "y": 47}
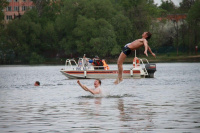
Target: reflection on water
{"x": 168, "y": 103}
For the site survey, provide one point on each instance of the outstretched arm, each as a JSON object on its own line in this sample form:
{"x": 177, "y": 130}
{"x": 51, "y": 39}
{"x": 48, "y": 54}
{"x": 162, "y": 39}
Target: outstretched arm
{"x": 151, "y": 51}
{"x": 146, "y": 47}
{"x": 82, "y": 86}
{"x": 96, "y": 91}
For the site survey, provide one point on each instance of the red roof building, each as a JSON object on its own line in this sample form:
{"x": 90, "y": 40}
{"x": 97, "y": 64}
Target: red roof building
{"x": 16, "y": 8}
{"x": 174, "y": 17}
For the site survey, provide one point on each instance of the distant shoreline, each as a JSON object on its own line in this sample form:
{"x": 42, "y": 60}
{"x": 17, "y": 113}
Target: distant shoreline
{"x": 163, "y": 59}
{"x": 151, "y": 59}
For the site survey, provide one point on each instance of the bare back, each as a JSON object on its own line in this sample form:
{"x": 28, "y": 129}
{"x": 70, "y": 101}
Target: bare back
{"x": 136, "y": 44}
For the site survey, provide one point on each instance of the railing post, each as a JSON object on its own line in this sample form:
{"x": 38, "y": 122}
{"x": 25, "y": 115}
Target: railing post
{"x": 85, "y": 74}
{"x": 131, "y": 72}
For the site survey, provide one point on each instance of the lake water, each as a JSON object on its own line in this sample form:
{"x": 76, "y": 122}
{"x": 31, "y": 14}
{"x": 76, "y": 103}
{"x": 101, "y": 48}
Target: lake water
{"x": 170, "y": 102}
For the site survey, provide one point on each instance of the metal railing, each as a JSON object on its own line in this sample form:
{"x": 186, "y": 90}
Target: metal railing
{"x": 68, "y": 63}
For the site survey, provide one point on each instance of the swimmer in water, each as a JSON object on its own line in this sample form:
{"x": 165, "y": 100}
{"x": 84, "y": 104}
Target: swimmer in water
{"x": 131, "y": 47}
{"x": 37, "y": 83}
{"x": 95, "y": 90}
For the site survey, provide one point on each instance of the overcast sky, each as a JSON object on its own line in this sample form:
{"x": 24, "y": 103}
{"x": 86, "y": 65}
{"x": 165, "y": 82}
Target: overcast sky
{"x": 176, "y": 2}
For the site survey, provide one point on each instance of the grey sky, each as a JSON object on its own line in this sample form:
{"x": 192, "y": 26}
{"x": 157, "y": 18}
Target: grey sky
{"x": 176, "y": 2}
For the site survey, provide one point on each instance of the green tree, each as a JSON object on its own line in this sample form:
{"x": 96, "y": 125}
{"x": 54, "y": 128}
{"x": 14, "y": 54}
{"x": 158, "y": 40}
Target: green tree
{"x": 123, "y": 29}
{"x": 194, "y": 22}
{"x": 16, "y": 40}
{"x": 99, "y": 39}
{"x": 4, "y": 47}
{"x": 32, "y": 33}
{"x": 3, "y": 5}
{"x": 185, "y": 5}
{"x": 64, "y": 26}
{"x": 86, "y": 15}
{"x": 167, "y": 5}
{"x": 140, "y": 13}
{"x": 76, "y": 27}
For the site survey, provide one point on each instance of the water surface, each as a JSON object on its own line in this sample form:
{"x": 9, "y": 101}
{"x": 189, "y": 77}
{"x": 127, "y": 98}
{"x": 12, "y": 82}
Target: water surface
{"x": 170, "y": 102}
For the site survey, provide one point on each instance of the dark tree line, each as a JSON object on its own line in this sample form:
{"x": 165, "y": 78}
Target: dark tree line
{"x": 71, "y": 28}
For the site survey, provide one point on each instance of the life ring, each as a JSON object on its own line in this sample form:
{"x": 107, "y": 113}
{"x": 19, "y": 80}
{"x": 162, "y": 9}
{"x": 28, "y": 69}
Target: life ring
{"x": 136, "y": 62}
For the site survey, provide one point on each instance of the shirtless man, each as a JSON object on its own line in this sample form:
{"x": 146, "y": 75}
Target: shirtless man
{"x": 96, "y": 90}
{"x": 131, "y": 47}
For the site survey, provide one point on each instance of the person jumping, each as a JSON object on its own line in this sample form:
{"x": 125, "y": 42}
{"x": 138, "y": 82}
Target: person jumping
{"x": 131, "y": 47}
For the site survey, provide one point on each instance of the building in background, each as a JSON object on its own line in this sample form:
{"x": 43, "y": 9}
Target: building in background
{"x": 173, "y": 17}
{"x": 16, "y": 8}
{"x": 172, "y": 21}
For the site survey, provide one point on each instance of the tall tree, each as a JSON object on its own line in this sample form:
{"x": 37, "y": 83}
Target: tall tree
{"x": 3, "y": 5}
{"x": 167, "y": 5}
{"x": 194, "y": 24}
{"x": 185, "y": 5}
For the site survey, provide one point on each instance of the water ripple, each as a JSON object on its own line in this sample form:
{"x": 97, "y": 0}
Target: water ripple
{"x": 170, "y": 102}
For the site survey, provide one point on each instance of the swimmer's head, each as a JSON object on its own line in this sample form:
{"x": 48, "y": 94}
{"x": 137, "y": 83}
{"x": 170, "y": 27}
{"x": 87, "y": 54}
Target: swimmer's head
{"x": 37, "y": 83}
{"x": 97, "y": 83}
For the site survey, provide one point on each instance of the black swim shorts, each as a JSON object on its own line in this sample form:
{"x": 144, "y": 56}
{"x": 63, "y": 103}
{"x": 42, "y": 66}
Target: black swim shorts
{"x": 126, "y": 50}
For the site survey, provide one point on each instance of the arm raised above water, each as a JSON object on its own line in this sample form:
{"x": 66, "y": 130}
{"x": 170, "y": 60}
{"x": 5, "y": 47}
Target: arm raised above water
{"x": 82, "y": 86}
{"x": 96, "y": 91}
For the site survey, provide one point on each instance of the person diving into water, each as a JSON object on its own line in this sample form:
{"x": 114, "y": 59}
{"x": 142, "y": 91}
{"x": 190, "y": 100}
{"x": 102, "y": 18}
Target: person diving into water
{"x": 131, "y": 47}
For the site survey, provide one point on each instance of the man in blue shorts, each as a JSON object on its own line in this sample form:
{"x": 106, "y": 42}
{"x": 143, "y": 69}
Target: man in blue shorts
{"x": 131, "y": 47}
